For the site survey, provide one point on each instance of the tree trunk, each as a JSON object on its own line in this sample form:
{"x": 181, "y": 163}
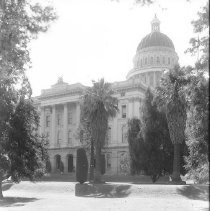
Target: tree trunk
{"x": 91, "y": 173}
{"x": 97, "y": 178}
{"x": 1, "y": 194}
{"x": 176, "y": 163}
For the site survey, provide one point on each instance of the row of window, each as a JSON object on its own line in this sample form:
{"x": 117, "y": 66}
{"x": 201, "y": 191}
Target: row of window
{"x": 70, "y": 117}
{"x": 59, "y": 136}
{"x": 155, "y": 60}
{"x": 108, "y": 140}
{"x": 59, "y": 119}
{"x": 123, "y": 134}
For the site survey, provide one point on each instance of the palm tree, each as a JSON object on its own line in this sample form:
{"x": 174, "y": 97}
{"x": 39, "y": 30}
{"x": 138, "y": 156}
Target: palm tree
{"x": 170, "y": 96}
{"x": 97, "y": 107}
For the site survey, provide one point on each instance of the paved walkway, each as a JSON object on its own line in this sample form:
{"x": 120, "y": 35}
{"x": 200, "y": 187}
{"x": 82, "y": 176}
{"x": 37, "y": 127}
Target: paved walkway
{"x": 60, "y": 196}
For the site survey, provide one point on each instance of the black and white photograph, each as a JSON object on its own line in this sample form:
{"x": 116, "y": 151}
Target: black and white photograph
{"x": 104, "y": 105}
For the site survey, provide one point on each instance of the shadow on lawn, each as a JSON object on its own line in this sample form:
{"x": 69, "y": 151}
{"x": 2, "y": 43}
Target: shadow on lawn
{"x": 15, "y": 201}
{"x": 6, "y": 186}
{"x": 196, "y": 192}
{"x": 107, "y": 191}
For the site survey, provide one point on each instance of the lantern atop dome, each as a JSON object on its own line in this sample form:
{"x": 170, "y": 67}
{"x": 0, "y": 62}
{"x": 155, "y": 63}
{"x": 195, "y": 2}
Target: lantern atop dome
{"x": 155, "y": 24}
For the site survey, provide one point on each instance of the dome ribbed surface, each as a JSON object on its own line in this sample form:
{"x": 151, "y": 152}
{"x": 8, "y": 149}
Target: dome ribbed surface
{"x": 155, "y": 39}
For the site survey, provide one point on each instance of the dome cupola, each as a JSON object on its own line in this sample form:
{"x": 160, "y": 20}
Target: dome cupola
{"x": 154, "y": 54}
{"x": 155, "y": 38}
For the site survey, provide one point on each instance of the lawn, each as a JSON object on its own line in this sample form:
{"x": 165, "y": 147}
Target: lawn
{"x": 50, "y": 195}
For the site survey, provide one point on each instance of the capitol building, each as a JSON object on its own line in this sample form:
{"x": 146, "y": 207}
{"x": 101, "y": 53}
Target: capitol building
{"x": 59, "y": 106}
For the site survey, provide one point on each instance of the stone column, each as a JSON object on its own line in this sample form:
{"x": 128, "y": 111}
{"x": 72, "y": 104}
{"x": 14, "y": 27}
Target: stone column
{"x": 74, "y": 158}
{"x": 65, "y": 124}
{"x": 130, "y": 108}
{"x": 65, "y": 163}
{"x": 136, "y": 108}
{"x": 41, "y": 120}
{"x": 115, "y": 130}
{"x": 114, "y": 163}
{"x": 52, "y": 161}
{"x": 77, "y": 114}
{"x": 53, "y": 126}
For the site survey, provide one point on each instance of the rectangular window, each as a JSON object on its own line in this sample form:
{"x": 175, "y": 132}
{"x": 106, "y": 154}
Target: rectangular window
{"x": 123, "y": 133}
{"x": 108, "y": 160}
{"x": 70, "y": 118}
{"x": 169, "y": 61}
{"x": 58, "y": 137}
{"x": 124, "y": 111}
{"x": 69, "y": 136}
{"x": 47, "y": 121}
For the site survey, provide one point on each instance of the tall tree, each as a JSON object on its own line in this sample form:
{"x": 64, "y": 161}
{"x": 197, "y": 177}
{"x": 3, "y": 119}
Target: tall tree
{"x": 23, "y": 150}
{"x": 20, "y": 22}
{"x": 197, "y": 162}
{"x": 138, "y": 162}
{"x": 99, "y": 105}
{"x": 197, "y": 130}
{"x": 156, "y": 137}
{"x": 170, "y": 96}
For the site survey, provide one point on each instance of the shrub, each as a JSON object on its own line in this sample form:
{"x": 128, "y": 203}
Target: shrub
{"x": 103, "y": 164}
{"x": 81, "y": 166}
{"x": 38, "y": 173}
{"x": 48, "y": 167}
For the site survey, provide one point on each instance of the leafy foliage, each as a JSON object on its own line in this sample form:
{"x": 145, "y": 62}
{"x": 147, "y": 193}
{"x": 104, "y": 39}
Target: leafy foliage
{"x": 170, "y": 97}
{"x": 136, "y": 146}
{"x": 21, "y": 148}
{"x": 81, "y": 166}
{"x": 20, "y": 21}
{"x": 197, "y": 129}
{"x": 197, "y": 162}
{"x": 150, "y": 147}
{"x": 24, "y": 146}
{"x": 156, "y": 137}
{"x": 201, "y": 27}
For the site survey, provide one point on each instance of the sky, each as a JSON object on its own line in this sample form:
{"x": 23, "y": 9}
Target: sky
{"x": 92, "y": 39}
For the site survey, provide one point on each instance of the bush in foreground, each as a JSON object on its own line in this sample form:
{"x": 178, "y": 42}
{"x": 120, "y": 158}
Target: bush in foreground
{"x": 81, "y": 166}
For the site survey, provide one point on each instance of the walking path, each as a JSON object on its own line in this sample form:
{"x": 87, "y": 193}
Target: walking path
{"x": 44, "y": 196}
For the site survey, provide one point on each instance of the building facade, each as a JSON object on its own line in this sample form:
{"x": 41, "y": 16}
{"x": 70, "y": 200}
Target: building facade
{"x": 59, "y": 106}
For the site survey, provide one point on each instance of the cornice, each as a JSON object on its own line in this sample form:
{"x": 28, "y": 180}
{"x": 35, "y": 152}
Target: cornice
{"x": 61, "y": 93}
